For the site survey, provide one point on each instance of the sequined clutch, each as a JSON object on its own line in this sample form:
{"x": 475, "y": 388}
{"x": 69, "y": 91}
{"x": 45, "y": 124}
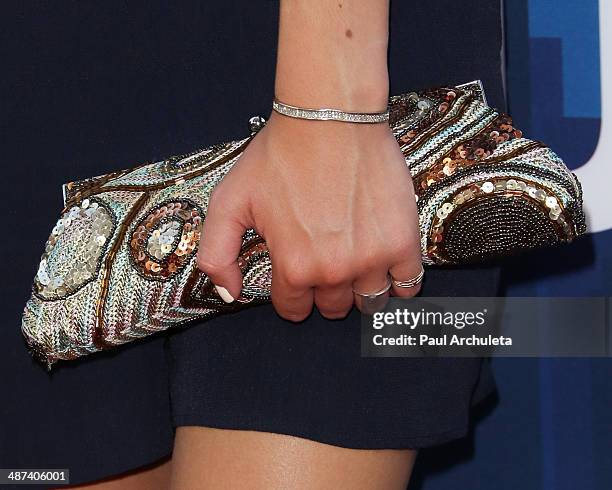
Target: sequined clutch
{"x": 120, "y": 262}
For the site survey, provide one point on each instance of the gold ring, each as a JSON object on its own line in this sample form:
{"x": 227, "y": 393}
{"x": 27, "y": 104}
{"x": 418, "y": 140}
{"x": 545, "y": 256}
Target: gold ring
{"x": 412, "y": 282}
{"x": 375, "y": 294}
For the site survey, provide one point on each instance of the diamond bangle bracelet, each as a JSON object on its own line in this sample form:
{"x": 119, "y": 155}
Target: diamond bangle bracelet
{"x": 329, "y": 114}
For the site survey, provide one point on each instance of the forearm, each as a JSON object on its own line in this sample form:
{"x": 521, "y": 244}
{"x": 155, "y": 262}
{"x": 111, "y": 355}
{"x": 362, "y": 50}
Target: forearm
{"x": 333, "y": 53}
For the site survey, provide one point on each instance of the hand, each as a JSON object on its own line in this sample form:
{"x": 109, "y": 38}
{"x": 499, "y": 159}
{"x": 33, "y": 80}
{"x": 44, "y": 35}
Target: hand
{"x": 334, "y": 202}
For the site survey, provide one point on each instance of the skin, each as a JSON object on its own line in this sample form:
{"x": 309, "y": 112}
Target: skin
{"x": 333, "y": 200}
{"x": 335, "y": 204}
{"x": 239, "y": 459}
{"x": 153, "y": 477}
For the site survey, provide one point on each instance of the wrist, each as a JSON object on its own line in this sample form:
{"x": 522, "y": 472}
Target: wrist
{"x": 361, "y": 95}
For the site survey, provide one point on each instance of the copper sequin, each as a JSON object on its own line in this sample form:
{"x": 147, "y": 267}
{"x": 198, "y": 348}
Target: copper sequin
{"x": 469, "y": 152}
{"x": 166, "y": 238}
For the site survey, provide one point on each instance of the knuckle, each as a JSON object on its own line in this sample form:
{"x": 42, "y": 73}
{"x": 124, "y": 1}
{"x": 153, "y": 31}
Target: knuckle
{"x": 219, "y": 196}
{"x": 333, "y": 275}
{"x": 370, "y": 261}
{"x": 294, "y": 271}
{"x": 402, "y": 250}
{"x": 206, "y": 265}
{"x": 215, "y": 196}
{"x": 295, "y": 277}
{"x": 334, "y": 304}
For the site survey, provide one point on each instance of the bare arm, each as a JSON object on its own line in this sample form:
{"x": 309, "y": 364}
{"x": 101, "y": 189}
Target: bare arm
{"x": 334, "y": 53}
{"x": 333, "y": 200}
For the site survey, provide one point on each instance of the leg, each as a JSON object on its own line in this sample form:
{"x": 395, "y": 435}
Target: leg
{"x": 206, "y": 458}
{"x": 153, "y": 477}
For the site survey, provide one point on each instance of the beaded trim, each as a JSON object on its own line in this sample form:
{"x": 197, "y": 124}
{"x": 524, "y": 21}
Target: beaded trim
{"x": 191, "y": 161}
{"x": 546, "y": 202}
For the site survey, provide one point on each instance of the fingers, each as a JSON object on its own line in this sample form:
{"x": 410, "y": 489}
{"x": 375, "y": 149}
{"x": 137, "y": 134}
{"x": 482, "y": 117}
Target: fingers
{"x": 376, "y": 284}
{"x": 407, "y": 268}
{"x": 220, "y": 244}
{"x": 334, "y": 301}
{"x": 296, "y": 284}
{"x": 292, "y": 293}
{"x": 409, "y": 273}
{"x": 403, "y": 279}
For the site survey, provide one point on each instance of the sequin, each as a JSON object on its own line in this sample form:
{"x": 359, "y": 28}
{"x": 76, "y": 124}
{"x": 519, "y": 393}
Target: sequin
{"x": 405, "y": 138}
{"x": 449, "y": 168}
{"x": 488, "y": 187}
{"x": 540, "y": 195}
{"x": 168, "y": 237}
{"x": 551, "y": 202}
{"x": 459, "y": 199}
{"x": 447, "y": 207}
{"x": 74, "y": 250}
{"x": 475, "y": 149}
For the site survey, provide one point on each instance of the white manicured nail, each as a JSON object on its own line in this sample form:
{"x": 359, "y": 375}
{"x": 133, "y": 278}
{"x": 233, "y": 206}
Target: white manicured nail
{"x": 224, "y": 293}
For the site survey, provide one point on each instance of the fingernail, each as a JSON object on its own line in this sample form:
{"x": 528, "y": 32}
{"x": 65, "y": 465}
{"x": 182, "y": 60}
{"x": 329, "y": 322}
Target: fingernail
{"x": 224, "y": 293}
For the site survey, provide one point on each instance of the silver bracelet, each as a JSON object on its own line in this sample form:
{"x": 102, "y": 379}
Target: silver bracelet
{"x": 329, "y": 114}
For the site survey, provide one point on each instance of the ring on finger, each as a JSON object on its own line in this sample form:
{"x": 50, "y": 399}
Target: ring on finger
{"x": 376, "y": 294}
{"x": 410, "y": 283}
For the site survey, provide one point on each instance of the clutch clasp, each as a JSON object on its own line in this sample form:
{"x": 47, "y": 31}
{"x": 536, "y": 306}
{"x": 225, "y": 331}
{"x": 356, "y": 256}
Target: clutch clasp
{"x": 256, "y": 123}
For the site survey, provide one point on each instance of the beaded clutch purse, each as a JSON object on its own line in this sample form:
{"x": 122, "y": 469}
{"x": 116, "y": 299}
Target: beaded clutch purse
{"x": 120, "y": 262}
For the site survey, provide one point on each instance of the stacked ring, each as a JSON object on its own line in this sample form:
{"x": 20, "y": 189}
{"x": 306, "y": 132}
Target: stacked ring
{"x": 412, "y": 282}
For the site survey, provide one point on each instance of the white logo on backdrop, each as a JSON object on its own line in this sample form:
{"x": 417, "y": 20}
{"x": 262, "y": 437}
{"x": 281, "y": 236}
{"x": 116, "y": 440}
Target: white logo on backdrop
{"x": 596, "y": 174}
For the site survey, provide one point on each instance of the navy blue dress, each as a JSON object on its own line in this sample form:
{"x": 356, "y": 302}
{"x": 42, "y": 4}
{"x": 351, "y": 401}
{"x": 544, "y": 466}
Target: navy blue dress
{"x": 101, "y": 86}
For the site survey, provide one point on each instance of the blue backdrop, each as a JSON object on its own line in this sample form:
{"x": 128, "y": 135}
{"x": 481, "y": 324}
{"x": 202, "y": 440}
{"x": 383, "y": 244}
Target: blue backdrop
{"x": 551, "y": 427}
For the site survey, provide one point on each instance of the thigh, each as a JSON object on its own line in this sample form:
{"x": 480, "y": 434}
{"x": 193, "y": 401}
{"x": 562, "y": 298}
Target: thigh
{"x": 153, "y": 477}
{"x": 208, "y": 458}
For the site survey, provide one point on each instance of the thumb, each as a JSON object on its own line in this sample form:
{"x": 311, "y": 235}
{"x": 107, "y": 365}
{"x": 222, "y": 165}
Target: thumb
{"x": 220, "y": 244}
